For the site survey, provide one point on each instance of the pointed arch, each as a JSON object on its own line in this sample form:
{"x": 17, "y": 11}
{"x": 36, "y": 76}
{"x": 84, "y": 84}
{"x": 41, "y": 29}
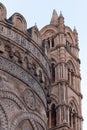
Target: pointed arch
{"x": 20, "y": 118}
{"x": 52, "y": 114}
{"x": 53, "y": 71}
{"x": 71, "y": 66}
{"x": 73, "y": 115}
{"x": 76, "y": 66}
{"x": 69, "y": 33}
{"x": 76, "y": 104}
{"x": 48, "y": 28}
{"x": 49, "y": 33}
{"x": 71, "y": 73}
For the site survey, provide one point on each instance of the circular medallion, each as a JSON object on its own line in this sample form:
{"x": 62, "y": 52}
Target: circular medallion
{"x": 29, "y": 98}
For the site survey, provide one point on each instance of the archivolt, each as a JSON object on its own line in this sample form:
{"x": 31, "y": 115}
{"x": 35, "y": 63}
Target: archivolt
{"x": 3, "y": 119}
{"x": 26, "y": 116}
{"x": 12, "y": 96}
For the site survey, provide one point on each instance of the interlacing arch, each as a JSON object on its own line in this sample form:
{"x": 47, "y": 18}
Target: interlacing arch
{"x": 13, "y": 97}
{"x": 23, "y": 116}
{"x": 3, "y": 119}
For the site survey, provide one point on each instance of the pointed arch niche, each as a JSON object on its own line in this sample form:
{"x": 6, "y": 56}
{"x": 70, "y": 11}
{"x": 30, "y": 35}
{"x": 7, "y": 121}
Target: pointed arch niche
{"x": 52, "y": 114}
{"x": 53, "y": 70}
{"x": 73, "y": 116}
{"x": 71, "y": 74}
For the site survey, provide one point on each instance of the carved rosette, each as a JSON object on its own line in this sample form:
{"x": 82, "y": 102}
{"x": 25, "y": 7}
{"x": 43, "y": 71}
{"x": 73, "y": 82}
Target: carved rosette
{"x": 29, "y": 98}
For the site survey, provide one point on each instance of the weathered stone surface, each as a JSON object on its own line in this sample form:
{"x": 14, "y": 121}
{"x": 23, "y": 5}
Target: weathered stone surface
{"x": 39, "y": 75}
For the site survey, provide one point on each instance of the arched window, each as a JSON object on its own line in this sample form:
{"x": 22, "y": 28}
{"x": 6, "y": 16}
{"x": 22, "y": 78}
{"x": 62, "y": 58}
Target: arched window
{"x": 53, "y": 72}
{"x": 71, "y": 73}
{"x": 73, "y": 116}
{"x": 53, "y": 115}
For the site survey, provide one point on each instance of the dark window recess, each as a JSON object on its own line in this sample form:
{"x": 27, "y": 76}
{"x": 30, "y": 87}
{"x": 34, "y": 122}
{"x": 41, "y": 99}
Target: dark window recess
{"x": 70, "y": 116}
{"x": 48, "y": 43}
{"x": 43, "y": 45}
{"x": 53, "y": 72}
{"x": 52, "y": 42}
{"x": 53, "y": 115}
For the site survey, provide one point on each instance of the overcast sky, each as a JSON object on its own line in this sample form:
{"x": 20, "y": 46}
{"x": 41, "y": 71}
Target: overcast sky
{"x": 75, "y": 14}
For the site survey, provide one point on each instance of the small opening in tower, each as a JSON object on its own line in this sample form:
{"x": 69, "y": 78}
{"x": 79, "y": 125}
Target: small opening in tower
{"x": 53, "y": 72}
{"x": 52, "y": 42}
{"x": 53, "y": 115}
{"x": 48, "y": 43}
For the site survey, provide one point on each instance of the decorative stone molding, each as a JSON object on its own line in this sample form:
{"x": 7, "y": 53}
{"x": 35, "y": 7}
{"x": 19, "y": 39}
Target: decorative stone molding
{"x": 21, "y": 74}
{"x": 13, "y": 97}
{"x": 3, "y": 119}
{"x": 23, "y": 42}
{"x": 19, "y": 21}
{"x": 30, "y": 116}
{"x": 29, "y": 98}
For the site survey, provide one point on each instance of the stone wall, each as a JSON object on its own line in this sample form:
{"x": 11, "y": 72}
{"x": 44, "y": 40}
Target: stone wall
{"x": 24, "y": 75}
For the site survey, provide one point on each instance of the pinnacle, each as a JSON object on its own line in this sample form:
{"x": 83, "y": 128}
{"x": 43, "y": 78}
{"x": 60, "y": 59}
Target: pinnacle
{"x": 54, "y": 18}
{"x": 75, "y": 30}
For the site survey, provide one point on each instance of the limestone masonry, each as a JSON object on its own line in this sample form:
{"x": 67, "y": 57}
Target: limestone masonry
{"x": 39, "y": 75}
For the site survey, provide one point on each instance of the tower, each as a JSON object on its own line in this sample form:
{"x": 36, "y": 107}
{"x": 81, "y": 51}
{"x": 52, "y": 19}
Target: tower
{"x": 61, "y": 45}
{"x": 39, "y": 75}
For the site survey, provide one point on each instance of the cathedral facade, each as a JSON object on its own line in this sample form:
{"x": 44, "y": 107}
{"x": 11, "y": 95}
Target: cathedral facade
{"x": 39, "y": 75}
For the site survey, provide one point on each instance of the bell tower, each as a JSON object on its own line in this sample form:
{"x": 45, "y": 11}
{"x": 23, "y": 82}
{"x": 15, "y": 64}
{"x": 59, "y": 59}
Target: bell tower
{"x": 61, "y": 46}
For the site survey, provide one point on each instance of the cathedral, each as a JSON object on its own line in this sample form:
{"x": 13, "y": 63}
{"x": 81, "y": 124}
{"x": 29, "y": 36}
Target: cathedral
{"x": 39, "y": 75}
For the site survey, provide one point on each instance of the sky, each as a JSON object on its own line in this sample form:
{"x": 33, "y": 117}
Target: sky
{"x": 75, "y": 13}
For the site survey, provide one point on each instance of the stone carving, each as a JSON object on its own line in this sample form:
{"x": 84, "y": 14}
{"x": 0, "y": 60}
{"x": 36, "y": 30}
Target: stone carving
{"x": 34, "y": 69}
{"x": 9, "y": 105}
{"x": 13, "y": 97}
{"x": 31, "y": 117}
{"x": 21, "y": 74}
{"x": 20, "y": 40}
{"x": 39, "y": 127}
{"x": 3, "y": 121}
{"x": 8, "y": 48}
{"x": 29, "y": 98}
{"x": 26, "y": 127}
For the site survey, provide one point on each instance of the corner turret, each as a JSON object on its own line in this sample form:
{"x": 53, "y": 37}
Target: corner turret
{"x": 75, "y": 34}
{"x": 61, "y": 23}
